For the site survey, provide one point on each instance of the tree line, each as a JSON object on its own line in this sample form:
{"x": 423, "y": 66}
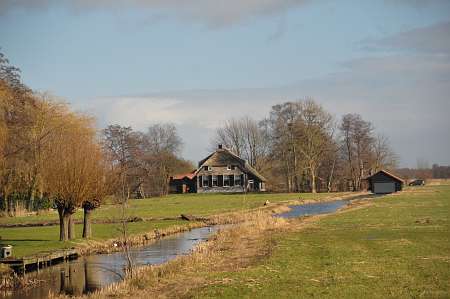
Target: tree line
{"x": 301, "y": 147}
{"x": 53, "y": 157}
{"x": 424, "y": 171}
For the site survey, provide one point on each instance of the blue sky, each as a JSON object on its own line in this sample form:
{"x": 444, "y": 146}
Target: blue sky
{"x": 197, "y": 63}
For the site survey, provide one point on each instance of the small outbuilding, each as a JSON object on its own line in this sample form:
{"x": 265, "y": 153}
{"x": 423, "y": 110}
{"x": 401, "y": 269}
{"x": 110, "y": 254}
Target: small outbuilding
{"x": 183, "y": 183}
{"x": 384, "y": 182}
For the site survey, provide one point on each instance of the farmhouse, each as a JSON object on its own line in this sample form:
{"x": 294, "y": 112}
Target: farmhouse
{"x": 384, "y": 182}
{"x": 221, "y": 171}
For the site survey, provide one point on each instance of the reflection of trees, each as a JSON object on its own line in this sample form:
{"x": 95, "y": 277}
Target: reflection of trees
{"x": 72, "y": 279}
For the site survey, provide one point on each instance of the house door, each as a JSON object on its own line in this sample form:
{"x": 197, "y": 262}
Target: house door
{"x": 381, "y": 188}
{"x": 251, "y": 185}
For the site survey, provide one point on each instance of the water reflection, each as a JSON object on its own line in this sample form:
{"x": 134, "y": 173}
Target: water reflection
{"x": 91, "y": 273}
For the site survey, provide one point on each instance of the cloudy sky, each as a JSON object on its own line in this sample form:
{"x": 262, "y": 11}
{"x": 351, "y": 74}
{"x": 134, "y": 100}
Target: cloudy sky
{"x": 197, "y": 63}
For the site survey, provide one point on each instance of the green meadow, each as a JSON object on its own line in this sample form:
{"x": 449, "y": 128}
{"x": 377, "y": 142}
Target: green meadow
{"x": 397, "y": 247}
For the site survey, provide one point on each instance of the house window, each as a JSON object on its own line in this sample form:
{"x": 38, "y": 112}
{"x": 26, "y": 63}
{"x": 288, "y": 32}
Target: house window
{"x": 237, "y": 180}
{"x": 226, "y": 181}
{"x": 200, "y": 182}
{"x": 231, "y": 179}
{"x": 205, "y": 181}
{"x": 207, "y": 168}
{"x": 214, "y": 180}
{"x": 228, "y": 167}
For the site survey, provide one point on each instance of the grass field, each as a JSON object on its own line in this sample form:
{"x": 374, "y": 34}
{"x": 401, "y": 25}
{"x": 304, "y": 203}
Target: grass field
{"x": 397, "y": 247}
{"x": 30, "y": 240}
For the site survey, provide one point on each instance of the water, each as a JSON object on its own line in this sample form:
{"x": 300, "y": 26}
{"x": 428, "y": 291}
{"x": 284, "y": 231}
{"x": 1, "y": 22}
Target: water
{"x": 94, "y": 272}
{"x": 314, "y": 209}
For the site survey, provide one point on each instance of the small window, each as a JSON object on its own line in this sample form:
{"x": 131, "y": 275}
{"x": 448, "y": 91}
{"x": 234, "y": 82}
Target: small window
{"x": 237, "y": 180}
{"x": 228, "y": 167}
{"x": 209, "y": 168}
{"x": 226, "y": 181}
{"x": 205, "y": 181}
{"x": 214, "y": 180}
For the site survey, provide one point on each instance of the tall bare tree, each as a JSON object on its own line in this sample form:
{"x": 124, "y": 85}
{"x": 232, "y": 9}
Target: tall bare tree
{"x": 246, "y": 138}
{"x": 357, "y": 144}
{"x": 314, "y": 129}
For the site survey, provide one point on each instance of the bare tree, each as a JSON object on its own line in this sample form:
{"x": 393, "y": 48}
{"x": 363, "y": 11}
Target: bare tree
{"x": 281, "y": 126}
{"x": 231, "y": 135}
{"x": 246, "y": 138}
{"x": 383, "y": 155}
{"x": 159, "y": 156}
{"x": 314, "y": 132}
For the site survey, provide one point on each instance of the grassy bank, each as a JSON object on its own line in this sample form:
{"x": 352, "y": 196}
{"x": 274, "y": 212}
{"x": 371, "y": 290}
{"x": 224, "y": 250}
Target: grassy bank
{"x": 30, "y": 240}
{"x": 392, "y": 247}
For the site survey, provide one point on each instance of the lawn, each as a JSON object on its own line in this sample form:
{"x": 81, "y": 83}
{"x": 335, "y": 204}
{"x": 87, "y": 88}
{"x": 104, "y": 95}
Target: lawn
{"x": 398, "y": 247}
{"x": 29, "y": 240}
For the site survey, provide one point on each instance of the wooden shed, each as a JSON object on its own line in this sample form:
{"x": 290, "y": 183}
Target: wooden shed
{"x": 384, "y": 182}
{"x": 183, "y": 183}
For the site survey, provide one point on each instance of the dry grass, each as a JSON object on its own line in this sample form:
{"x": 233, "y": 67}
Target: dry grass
{"x": 437, "y": 182}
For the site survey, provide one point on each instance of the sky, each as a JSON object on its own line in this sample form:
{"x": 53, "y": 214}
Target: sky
{"x": 198, "y": 63}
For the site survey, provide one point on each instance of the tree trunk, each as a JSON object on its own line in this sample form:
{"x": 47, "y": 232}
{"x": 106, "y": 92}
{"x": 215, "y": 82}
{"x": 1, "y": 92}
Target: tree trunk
{"x": 6, "y": 203}
{"x": 71, "y": 227}
{"x": 313, "y": 182}
{"x": 87, "y": 233}
{"x": 30, "y": 206}
{"x": 63, "y": 222}
{"x": 330, "y": 179}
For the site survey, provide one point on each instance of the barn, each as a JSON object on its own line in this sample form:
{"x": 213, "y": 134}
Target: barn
{"x": 183, "y": 183}
{"x": 384, "y": 182}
